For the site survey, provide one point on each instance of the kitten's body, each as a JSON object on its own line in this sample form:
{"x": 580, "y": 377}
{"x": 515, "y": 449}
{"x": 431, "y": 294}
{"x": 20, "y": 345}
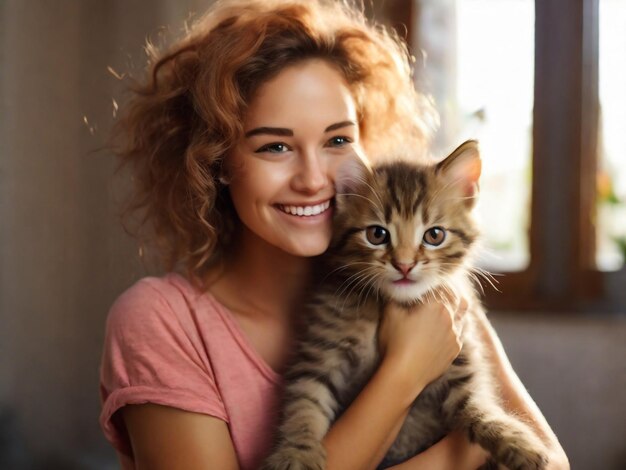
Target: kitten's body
{"x": 338, "y": 353}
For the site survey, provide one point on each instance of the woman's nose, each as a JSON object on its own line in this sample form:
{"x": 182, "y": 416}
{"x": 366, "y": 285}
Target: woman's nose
{"x": 312, "y": 173}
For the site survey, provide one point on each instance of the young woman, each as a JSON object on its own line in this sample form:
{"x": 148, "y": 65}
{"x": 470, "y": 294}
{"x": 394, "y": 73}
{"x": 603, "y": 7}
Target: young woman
{"x": 235, "y": 140}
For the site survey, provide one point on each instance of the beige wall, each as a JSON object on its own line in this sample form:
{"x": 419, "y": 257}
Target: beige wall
{"x": 64, "y": 257}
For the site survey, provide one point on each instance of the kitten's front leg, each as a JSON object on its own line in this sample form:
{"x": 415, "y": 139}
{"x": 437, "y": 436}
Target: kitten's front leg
{"x": 333, "y": 361}
{"x": 309, "y": 410}
{"x": 510, "y": 441}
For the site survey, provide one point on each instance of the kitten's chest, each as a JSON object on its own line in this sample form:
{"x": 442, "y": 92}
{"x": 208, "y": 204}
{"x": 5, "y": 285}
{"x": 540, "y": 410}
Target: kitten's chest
{"x": 360, "y": 347}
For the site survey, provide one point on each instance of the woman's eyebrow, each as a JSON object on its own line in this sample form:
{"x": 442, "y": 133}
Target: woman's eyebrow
{"x": 281, "y": 131}
{"x": 284, "y": 132}
{"x": 339, "y": 125}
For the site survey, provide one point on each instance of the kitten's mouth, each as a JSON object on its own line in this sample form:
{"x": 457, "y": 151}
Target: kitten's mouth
{"x": 405, "y": 281}
{"x": 305, "y": 210}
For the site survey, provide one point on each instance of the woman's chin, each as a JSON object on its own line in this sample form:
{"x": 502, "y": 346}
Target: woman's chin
{"x": 310, "y": 251}
{"x": 309, "y": 246}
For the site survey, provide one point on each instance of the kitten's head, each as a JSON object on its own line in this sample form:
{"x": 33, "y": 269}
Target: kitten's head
{"x": 403, "y": 229}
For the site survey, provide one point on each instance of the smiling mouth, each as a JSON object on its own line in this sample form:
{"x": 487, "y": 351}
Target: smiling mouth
{"x": 305, "y": 211}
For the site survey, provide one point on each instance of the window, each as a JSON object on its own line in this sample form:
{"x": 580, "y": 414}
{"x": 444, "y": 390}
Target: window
{"x": 569, "y": 133}
{"x": 484, "y": 89}
{"x": 611, "y": 218}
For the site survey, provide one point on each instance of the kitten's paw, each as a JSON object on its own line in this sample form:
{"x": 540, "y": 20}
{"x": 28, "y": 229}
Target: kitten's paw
{"x": 300, "y": 457}
{"x": 519, "y": 458}
{"x": 510, "y": 442}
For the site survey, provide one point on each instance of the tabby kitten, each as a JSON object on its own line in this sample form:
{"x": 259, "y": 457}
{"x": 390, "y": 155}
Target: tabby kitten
{"x": 402, "y": 232}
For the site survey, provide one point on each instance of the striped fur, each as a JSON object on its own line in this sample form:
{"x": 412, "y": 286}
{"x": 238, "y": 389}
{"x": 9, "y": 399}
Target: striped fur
{"x": 337, "y": 354}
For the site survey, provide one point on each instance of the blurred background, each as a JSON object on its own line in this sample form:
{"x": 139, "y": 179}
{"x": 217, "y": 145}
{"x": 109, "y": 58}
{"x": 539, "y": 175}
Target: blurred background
{"x": 541, "y": 84}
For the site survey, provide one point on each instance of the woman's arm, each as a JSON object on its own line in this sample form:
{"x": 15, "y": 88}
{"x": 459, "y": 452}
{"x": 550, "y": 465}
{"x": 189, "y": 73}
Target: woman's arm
{"x": 361, "y": 437}
{"x": 165, "y": 438}
{"x": 417, "y": 346}
{"x": 453, "y": 452}
{"x": 515, "y": 396}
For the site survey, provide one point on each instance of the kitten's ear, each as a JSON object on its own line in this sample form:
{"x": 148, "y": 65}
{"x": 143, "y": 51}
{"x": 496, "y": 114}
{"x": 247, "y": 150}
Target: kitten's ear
{"x": 351, "y": 174}
{"x": 460, "y": 171}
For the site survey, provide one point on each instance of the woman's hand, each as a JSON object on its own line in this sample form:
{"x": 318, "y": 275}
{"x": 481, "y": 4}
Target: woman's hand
{"x": 421, "y": 342}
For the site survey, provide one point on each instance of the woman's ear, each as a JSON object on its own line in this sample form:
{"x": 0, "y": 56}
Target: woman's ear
{"x": 224, "y": 181}
{"x": 225, "y": 171}
{"x": 460, "y": 171}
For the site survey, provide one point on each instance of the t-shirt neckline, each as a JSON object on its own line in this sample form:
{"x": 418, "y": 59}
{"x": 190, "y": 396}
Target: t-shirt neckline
{"x": 244, "y": 343}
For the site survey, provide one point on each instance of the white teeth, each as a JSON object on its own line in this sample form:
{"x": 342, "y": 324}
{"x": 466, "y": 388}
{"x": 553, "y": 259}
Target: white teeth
{"x": 306, "y": 210}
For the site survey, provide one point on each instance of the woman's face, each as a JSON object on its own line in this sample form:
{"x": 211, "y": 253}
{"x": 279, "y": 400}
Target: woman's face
{"x": 300, "y": 126}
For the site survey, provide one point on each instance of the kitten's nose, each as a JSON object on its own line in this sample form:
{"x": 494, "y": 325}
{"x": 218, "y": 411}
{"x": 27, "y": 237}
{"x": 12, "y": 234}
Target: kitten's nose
{"x": 404, "y": 268}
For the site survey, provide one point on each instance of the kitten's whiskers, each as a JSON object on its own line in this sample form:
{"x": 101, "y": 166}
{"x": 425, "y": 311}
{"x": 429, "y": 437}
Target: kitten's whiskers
{"x": 353, "y": 278}
{"x": 477, "y": 273}
{"x": 345, "y": 266}
{"x": 353, "y": 282}
{"x": 363, "y": 180}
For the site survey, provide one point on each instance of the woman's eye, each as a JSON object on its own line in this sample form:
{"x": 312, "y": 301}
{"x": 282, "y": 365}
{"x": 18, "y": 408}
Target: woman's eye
{"x": 434, "y": 236}
{"x": 274, "y": 148}
{"x": 377, "y": 235}
{"x": 339, "y": 141}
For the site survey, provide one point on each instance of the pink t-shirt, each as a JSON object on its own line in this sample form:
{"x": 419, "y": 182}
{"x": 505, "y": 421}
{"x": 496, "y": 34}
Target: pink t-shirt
{"x": 168, "y": 344}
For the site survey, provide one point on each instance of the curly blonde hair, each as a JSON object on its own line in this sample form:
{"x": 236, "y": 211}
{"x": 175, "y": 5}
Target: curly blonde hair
{"x": 182, "y": 121}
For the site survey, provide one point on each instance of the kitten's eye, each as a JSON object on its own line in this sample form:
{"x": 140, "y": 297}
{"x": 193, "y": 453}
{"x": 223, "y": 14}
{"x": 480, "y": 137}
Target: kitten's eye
{"x": 377, "y": 235}
{"x": 434, "y": 236}
{"x": 276, "y": 147}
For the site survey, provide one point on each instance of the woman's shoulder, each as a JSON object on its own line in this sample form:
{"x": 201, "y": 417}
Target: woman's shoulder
{"x": 169, "y": 285}
{"x": 150, "y": 301}
{"x": 159, "y": 323}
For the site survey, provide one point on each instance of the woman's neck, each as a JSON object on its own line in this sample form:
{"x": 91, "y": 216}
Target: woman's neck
{"x": 259, "y": 278}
